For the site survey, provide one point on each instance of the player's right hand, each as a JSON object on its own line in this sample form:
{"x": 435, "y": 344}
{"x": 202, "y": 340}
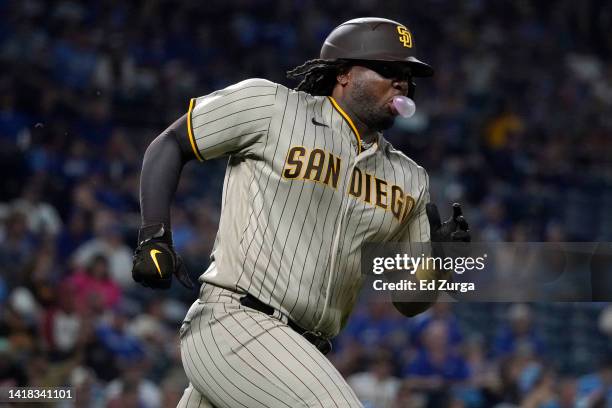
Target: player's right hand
{"x": 155, "y": 261}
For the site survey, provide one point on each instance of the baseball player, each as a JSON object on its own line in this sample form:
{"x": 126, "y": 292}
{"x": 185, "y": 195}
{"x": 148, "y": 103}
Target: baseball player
{"x": 309, "y": 179}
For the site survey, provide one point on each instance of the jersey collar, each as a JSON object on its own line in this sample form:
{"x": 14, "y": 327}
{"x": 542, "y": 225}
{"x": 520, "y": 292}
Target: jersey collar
{"x": 348, "y": 120}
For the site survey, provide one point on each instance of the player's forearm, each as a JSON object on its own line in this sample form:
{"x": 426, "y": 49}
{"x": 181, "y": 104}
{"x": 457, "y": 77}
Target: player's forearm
{"x": 417, "y": 300}
{"x": 411, "y": 309}
{"x": 414, "y": 301}
{"x": 155, "y": 260}
{"x": 161, "y": 170}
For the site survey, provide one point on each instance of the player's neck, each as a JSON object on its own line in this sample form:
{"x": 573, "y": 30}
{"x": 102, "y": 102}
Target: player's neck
{"x": 367, "y": 134}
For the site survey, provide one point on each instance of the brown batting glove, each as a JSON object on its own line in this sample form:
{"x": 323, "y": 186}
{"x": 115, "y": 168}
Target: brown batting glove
{"x": 155, "y": 260}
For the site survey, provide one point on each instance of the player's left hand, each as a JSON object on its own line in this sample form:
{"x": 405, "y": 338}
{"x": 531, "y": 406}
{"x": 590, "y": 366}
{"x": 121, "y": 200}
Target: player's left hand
{"x": 455, "y": 229}
{"x": 449, "y": 238}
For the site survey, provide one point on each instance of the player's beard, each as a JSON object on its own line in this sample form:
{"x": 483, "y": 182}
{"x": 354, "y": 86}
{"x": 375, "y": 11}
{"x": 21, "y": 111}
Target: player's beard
{"x": 368, "y": 109}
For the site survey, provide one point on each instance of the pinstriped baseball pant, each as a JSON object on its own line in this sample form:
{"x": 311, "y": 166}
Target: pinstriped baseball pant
{"x": 238, "y": 357}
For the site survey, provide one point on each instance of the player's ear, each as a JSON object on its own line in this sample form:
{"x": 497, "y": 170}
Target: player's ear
{"x": 344, "y": 75}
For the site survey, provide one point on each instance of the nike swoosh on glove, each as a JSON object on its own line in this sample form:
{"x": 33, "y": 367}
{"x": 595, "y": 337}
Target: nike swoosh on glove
{"x": 155, "y": 262}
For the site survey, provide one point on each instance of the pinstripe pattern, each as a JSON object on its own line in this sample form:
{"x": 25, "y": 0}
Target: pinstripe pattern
{"x": 192, "y": 398}
{"x": 293, "y": 242}
{"x": 238, "y": 357}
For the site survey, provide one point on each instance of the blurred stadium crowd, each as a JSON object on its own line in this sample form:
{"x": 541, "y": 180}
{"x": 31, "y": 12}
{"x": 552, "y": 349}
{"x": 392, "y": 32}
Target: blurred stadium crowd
{"x": 519, "y": 109}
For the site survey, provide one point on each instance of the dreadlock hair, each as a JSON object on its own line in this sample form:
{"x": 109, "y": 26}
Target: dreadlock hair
{"x": 319, "y": 75}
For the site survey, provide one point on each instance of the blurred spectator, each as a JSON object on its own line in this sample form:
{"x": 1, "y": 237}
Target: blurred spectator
{"x": 439, "y": 312}
{"x": 132, "y": 389}
{"x": 494, "y": 224}
{"x": 605, "y": 322}
{"x": 509, "y": 372}
{"x": 12, "y": 120}
{"x": 16, "y": 331}
{"x": 43, "y": 272}
{"x": 76, "y": 232}
{"x": 483, "y": 383}
{"x": 156, "y": 339}
{"x": 172, "y": 388}
{"x": 183, "y": 231}
{"x": 436, "y": 365}
{"x": 407, "y": 397}
{"x": 88, "y": 392}
{"x": 479, "y": 366}
{"x": 43, "y": 373}
{"x": 567, "y": 393}
{"x": 96, "y": 124}
{"x": 25, "y": 306}
{"x": 93, "y": 286}
{"x": 12, "y": 373}
{"x": 77, "y": 163}
{"x": 518, "y": 334}
{"x": 108, "y": 241}
{"x": 126, "y": 395}
{"x": 376, "y": 387}
{"x": 17, "y": 246}
{"x": 61, "y": 325}
{"x": 543, "y": 392}
{"x": 106, "y": 343}
{"x": 351, "y": 357}
{"x": 174, "y": 381}
{"x": 42, "y": 218}
{"x": 379, "y": 325}
{"x": 114, "y": 336}
{"x": 595, "y": 389}
{"x": 84, "y": 198}
{"x": 502, "y": 129}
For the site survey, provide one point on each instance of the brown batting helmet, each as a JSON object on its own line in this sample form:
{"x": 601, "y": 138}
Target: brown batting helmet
{"x": 374, "y": 38}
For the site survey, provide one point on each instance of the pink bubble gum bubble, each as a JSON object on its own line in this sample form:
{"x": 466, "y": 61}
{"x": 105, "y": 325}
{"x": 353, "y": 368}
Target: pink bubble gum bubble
{"x": 404, "y": 105}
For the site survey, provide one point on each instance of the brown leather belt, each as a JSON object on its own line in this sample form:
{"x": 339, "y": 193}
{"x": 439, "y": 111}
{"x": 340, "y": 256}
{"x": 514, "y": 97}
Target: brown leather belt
{"x": 324, "y": 345}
